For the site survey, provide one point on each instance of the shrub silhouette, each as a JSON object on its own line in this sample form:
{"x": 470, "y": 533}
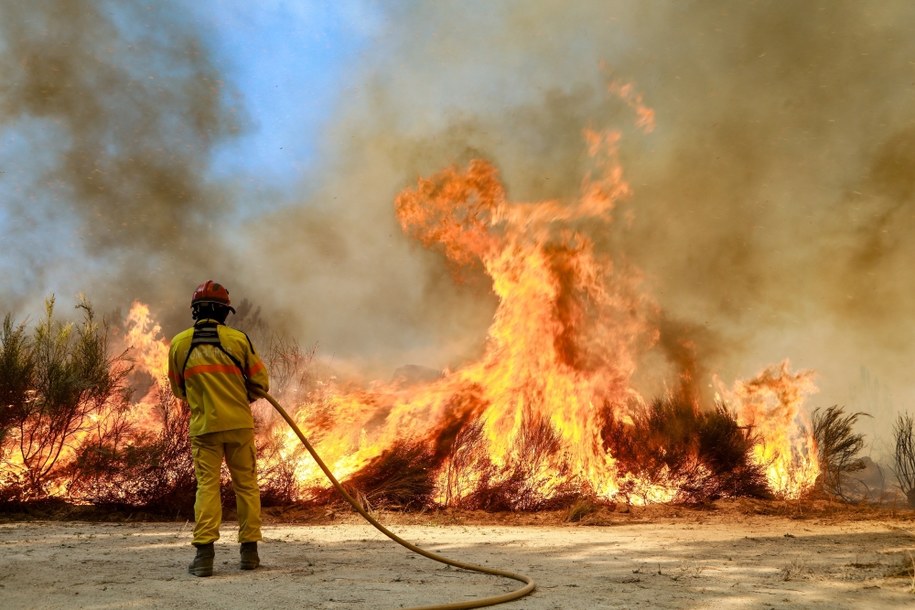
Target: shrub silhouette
{"x": 837, "y": 447}
{"x": 904, "y": 455}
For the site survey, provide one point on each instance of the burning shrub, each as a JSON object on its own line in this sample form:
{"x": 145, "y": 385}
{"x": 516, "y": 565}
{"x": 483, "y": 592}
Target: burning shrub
{"x": 670, "y": 444}
{"x": 837, "y": 447}
{"x": 466, "y": 463}
{"x": 401, "y": 477}
{"x": 275, "y": 471}
{"x": 659, "y": 447}
{"x": 904, "y": 456}
{"x": 496, "y": 493}
{"x": 536, "y": 461}
{"x": 152, "y": 471}
{"x": 726, "y": 449}
{"x": 164, "y": 468}
{"x": 475, "y": 483}
{"x": 95, "y": 474}
{"x": 58, "y": 381}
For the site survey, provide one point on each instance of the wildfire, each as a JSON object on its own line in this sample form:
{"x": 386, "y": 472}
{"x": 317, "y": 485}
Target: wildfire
{"x": 549, "y": 409}
{"x": 531, "y": 414}
{"x": 565, "y": 341}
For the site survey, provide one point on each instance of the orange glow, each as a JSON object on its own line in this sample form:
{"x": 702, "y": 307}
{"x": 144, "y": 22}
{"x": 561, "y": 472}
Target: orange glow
{"x": 571, "y": 328}
{"x": 569, "y": 331}
{"x": 771, "y": 404}
{"x": 148, "y": 349}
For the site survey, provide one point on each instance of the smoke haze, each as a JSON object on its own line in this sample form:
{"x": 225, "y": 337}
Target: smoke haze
{"x": 112, "y": 110}
{"x": 770, "y": 212}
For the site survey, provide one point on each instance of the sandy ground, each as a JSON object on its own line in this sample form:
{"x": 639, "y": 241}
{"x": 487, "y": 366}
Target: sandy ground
{"x": 699, "y": 560}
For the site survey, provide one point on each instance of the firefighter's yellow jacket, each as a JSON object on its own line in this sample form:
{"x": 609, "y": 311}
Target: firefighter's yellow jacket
{"x": 218, "y": 385}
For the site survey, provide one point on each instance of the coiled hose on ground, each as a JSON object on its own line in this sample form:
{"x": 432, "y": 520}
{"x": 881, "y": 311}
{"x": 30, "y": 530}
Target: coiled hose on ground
{"x": 478, "y": 603}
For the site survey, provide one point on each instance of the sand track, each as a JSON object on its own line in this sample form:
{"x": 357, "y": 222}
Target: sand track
{"x": 699, "y": 561}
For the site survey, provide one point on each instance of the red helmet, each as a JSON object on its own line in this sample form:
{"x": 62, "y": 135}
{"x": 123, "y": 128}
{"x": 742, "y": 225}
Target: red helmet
{"x": 211, "y": 292}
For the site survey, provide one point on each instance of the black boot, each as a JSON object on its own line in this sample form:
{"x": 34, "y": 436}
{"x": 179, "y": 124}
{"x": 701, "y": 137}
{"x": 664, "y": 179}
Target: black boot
{"x": 203, "y": 562}
{"x": 249, "y": 558}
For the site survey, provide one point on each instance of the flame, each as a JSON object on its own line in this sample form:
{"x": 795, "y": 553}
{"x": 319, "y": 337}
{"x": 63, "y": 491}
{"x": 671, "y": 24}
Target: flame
{"x": 564, "y": 341}
{"x": 147, "y": 350}
{"x": 144, "y": 338}
{"x": 567, "y": 335}
{"x": 570, "y": 329}
{"x": 770, "y": 404}
{"x": 627, "y": 93}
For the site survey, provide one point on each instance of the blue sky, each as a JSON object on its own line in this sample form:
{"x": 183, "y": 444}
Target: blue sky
{"x": 289, "y": 61}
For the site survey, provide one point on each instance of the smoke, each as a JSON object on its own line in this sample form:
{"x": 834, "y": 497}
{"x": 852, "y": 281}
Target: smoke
{"x": 770, "y": 212}
{"x": 770, "y": 205}
{"x": 113, "y": 109}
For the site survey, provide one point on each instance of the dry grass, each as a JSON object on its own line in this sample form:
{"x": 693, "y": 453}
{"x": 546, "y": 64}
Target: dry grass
{"x": 582, "y": 508}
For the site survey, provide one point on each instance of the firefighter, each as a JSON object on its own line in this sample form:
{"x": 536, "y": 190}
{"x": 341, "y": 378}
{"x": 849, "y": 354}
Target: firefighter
{"x": 216, "y": 370}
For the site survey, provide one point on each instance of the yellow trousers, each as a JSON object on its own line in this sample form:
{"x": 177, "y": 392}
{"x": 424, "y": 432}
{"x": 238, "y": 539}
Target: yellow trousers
{"x": 237, "y": 448}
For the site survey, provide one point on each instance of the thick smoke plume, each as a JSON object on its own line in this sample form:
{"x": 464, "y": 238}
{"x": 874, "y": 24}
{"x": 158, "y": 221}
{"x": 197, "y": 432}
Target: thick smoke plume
{"x": 770, "y": 212}
{"x": 770, "y": 204}
{"x": 112, "y": 110}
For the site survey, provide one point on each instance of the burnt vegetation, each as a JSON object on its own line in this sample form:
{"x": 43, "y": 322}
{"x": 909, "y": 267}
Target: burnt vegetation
{"x": 706, "y": 454}
{"x": 69, "y": 431}
{"x": 401, "y": 478}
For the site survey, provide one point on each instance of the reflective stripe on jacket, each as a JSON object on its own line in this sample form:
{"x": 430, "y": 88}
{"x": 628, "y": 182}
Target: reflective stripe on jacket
{"x": 212, "y": 384}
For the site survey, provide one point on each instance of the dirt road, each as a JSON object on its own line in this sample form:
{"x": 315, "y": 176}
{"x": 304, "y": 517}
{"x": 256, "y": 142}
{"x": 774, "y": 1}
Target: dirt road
{"x": 697, "y": 562}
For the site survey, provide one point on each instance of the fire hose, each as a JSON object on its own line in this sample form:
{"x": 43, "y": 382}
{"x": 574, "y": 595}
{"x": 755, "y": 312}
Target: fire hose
{"x": 478, "y": 603}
